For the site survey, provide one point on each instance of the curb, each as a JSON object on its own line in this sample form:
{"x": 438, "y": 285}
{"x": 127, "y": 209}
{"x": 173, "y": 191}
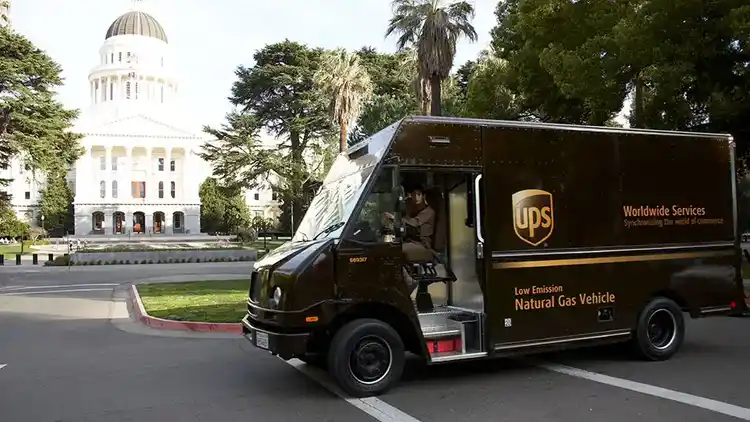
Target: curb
{"x": 166, "y": 324}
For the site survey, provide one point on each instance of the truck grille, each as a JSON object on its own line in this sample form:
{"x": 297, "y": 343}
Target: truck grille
{"x": 256, "y": 285}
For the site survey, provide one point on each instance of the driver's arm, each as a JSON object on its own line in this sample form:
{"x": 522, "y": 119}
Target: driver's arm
{"x": 423, "y": 220}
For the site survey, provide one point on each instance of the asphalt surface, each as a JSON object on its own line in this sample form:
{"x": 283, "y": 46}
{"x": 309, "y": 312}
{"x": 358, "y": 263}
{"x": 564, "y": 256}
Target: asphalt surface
{"x": 74, "y": 354}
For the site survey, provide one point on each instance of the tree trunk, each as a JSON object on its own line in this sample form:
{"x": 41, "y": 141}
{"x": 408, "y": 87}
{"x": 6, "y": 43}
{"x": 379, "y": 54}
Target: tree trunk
{"x": 435, "y": 94}
{"x": 296, "y": 187}
{"x": 425, "y": 96}
{"x": 342, "y": 135}
{"x": 638, "y": 120}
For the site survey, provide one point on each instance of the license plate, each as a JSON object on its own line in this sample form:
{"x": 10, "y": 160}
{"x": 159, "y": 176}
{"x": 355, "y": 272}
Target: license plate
{"x": 261, "y": 340}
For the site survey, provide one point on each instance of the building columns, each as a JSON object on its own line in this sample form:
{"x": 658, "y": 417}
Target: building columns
{"x": 151, "y": 186}
{"x": 108, "y": 173}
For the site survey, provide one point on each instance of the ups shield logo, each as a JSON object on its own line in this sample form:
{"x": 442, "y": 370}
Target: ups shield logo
{"x": 533, "y": 215}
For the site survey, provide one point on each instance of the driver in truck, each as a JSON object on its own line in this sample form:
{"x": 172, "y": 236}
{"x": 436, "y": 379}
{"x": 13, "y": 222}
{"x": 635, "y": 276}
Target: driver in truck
{"x": 420, "y": 226}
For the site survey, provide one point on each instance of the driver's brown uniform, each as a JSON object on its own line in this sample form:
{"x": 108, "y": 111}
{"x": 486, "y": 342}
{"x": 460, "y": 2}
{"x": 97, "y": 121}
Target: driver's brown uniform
{"x": 424, "y": 222}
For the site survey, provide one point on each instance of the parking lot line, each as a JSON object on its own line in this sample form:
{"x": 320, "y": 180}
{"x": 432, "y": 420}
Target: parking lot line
{"x": 373, "y": 406}
{"x": 697, "y": 401}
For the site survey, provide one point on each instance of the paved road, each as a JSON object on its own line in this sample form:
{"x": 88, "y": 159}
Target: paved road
{"x": 73, "y": 354}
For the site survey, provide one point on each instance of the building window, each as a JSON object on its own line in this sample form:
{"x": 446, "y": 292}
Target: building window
{"x": 27, "y": 195}
{"x": 114, "y": 163}
{"x": 137, "y": 90}
{"x": 171, "y": 165}
{"x": 127, "y": 90}
{"x": 173, "y": 188}
{"x": 161, "y": 164}
{"x": 162, "y": 62}
{"x": 111, "y": 91}
{"x": 98, "y": 220}
{"x": 161, "y": 189}
{"x": 102, "y": 189}
{"x": 102, "y": 163}
{"x": 119, "y": 57}
{"x": 256, "y": 196}
{"x": 111, "y": 58}
{"x": 162, "y": 93}
{"x": 114, "y": 188}
{"x": 138, "y": 189}
{"x": 274, "y": 195}
{"x": 177, "y": 220}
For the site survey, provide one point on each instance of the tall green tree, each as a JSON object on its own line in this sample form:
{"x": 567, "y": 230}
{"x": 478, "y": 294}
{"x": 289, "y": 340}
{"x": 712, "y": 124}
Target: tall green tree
{"x": 10, "y": 225}
{"x": 276, "y": 95}
{"x": 56, "y": 204}
{"x": 33, "y": 125}
{"x": 346, "y": 84}
{"x": 223, "y": 208}
{"x": 433, "y": 27}
{"x": 541, "y": 45}
{"x": 489, "y": 90}
{"x": 393, "y": 94}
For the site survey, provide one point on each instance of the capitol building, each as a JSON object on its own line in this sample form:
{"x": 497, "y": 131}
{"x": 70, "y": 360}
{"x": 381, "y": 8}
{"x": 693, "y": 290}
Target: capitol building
{"x": 140, "y": 173}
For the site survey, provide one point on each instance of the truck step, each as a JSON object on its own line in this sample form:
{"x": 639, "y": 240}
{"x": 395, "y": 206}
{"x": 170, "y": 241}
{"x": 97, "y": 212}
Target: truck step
{"x": 440, "y": 332}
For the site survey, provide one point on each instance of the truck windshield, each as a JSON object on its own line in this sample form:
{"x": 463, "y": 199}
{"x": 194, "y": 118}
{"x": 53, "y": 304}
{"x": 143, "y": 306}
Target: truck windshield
{"x": 342, "y": 187}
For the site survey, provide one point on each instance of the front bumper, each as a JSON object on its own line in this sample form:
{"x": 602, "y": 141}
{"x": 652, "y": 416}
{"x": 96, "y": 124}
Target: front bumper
{"x": 286, "y": 346}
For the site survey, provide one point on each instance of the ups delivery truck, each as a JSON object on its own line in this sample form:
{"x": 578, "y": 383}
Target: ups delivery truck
{"x": 459, "y": 239}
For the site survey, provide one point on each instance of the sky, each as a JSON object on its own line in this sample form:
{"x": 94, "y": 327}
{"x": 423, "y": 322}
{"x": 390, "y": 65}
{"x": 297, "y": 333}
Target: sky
{"x": 209, "y": 39}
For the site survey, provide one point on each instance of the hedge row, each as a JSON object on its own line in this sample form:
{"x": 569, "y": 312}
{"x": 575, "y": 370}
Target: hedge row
{"x": 64, "y": 261}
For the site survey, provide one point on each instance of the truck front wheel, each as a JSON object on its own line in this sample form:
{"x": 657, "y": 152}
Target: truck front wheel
{"x": 366, "y": 357}
{"x": 660, "y": 330}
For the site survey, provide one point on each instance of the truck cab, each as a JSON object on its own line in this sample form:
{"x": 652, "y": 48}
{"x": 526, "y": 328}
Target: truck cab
{"x": 488, "y": 269}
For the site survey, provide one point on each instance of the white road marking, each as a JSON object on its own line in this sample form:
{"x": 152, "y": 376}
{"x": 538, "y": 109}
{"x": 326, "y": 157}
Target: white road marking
{"x": 697, "y": 401}
{"x": 2, "y": 365}
{"x": 37, "y": 292}
{"x": 53, "y": 286}
{"x": 373, "y": 406}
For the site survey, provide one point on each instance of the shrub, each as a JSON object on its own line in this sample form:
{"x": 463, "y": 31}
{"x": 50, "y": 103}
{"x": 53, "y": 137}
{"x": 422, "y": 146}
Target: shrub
{"x": 61, "y": 261}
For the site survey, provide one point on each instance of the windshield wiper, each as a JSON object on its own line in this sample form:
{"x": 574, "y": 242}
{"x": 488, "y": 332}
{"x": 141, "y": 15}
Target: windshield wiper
{"x": 329, "y": 229}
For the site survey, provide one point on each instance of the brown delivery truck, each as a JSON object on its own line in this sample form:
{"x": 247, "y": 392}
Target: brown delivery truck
{"x": 457, "y": 239}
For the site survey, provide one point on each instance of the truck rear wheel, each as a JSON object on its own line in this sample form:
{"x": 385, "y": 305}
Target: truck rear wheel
{"x": 660, "y": 330}
{"x": 366, "y": 357}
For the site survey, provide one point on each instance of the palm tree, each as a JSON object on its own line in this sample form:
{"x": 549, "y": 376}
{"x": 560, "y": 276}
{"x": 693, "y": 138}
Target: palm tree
{"x": 347, "y": 85}
{"x": 419, "y": 84}
{"x": 435, "y": 28}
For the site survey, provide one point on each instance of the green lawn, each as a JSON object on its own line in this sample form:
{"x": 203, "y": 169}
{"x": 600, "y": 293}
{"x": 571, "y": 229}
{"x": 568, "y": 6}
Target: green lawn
{"x": 10, "y": 251}
{"x": 203, "y": 301}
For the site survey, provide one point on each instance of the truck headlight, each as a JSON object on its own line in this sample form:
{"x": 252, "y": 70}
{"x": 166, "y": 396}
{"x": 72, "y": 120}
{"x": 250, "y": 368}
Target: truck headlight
{"x": 276, "y": 298}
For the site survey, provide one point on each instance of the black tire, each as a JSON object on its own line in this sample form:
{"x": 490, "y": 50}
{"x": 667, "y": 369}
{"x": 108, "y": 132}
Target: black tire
{"x": 365, "y": 341}
{"x": 660, "y": 330}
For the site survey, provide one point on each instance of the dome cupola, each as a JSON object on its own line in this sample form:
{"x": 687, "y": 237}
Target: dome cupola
{"x": 136, "y": 23}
